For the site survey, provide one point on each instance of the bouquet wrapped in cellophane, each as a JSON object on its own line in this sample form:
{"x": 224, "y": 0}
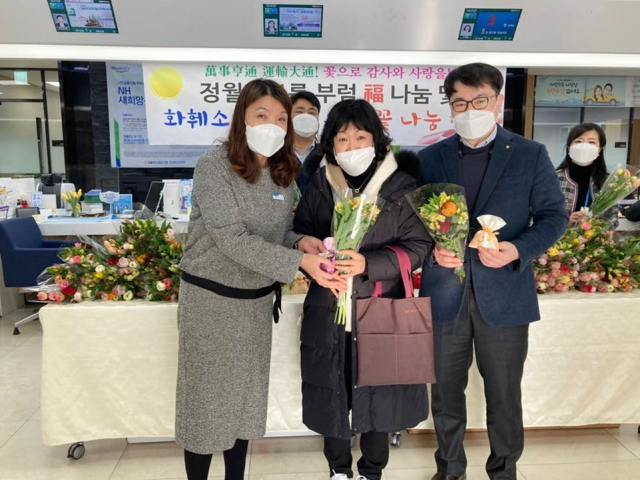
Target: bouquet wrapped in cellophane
{"x": 352, "y": 219}
{"x": 442, "y": 207}
{"x": 619, "y": 184}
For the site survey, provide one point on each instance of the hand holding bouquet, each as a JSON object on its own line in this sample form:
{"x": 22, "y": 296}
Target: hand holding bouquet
{"x": 442, "y": 207}
{"x": 352, "y": 219}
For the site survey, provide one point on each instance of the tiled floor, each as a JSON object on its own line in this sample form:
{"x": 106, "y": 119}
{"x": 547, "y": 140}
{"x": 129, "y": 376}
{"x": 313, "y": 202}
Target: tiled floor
{"x": 595, "y": 454}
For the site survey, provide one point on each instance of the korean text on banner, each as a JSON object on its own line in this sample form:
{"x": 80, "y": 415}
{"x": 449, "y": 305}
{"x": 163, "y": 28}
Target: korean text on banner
{"x": 192, "y": 104}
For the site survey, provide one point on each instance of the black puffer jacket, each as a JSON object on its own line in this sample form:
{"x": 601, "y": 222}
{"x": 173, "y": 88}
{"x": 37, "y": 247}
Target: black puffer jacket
{"x": 324, "y": 396}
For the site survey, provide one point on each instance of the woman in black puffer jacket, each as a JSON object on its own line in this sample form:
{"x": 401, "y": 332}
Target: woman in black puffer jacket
{"x": 357, "y": 156}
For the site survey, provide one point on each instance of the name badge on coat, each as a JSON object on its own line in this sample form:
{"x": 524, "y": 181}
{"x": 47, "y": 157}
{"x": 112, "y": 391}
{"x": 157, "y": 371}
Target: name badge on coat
{"x": 277, "y": 196}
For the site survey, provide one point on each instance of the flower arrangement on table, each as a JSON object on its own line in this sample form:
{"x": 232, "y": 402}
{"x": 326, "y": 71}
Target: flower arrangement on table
{"x": 588, "y": 258}
{"x": 142, "y": 262}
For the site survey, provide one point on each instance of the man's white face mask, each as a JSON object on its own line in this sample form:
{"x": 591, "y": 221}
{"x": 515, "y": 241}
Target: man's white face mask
{"x": 306, "y": 125}
{"x": 474, "y": 124}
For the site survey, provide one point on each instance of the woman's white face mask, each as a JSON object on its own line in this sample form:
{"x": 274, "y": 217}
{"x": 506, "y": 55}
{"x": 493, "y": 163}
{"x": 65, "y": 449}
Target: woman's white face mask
{"x": 583, "y": 154}
{"x": 266, "y": 139}
{"x": 356, "y": 162}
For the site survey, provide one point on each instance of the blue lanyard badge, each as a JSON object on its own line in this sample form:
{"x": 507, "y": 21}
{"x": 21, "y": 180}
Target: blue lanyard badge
{"x": 586, "y": 200}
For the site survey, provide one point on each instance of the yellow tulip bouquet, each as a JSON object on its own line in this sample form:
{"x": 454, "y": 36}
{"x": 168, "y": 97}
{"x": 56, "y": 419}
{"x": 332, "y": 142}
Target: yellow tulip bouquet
{"x": 73, "y": 199}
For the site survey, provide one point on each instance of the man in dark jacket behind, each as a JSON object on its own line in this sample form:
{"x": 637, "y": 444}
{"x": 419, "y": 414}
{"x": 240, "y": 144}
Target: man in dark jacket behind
{"x": 305, "y": 115}
{"x": 511, "y": 177}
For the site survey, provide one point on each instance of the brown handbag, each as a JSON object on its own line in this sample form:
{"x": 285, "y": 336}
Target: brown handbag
{"x": 394, "y": 336}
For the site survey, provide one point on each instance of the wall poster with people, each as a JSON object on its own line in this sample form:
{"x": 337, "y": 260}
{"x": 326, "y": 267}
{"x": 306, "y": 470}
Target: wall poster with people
{"x": 192, "y": 104}
{"x": 605, "y": 91}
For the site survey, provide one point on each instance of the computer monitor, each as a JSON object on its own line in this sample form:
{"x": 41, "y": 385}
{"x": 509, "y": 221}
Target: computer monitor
{"x": 57, "y": 189}
{"x": 154, "y": 197}
{"x": 50, "y": 179}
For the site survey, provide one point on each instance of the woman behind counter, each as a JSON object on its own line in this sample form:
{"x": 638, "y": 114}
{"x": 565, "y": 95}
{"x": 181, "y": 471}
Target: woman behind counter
{"x": 584, "y": 170}
{"x": 240, "y": 246}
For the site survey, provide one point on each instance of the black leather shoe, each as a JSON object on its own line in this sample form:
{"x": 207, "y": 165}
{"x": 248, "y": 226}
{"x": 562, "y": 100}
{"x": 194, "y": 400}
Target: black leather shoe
{"x": 441, "y": 476}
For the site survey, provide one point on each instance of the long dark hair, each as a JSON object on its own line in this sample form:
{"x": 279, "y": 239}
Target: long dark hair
{"x": 598, "y": 87}
{"x": 283, "y": 165}
{"x": 363, "y": 116}
{"x": 599, "y": 166}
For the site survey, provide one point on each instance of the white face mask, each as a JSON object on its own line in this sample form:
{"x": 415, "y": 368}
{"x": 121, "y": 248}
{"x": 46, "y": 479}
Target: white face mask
{"x": 306, "y": 125}
{"x": 474, "y": 124}
{"x": 583, "y": 154}
{"x": 356, "y": 162}
{"x": 265, "y": 139}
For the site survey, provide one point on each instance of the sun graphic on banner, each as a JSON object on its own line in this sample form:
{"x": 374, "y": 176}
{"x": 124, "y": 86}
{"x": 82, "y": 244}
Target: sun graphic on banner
{"x": 166, "y": 83}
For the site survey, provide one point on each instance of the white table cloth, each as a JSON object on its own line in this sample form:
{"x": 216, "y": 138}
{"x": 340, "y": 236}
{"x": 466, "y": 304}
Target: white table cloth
{"x": 109, "y": 369}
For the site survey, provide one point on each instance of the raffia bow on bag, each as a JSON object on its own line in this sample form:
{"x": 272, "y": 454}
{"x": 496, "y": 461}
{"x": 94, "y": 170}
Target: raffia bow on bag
{"x": 394, "y": 336}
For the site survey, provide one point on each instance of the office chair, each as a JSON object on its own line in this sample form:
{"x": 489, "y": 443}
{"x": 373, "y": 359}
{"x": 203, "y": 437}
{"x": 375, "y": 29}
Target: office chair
{"x": 24, "y": 256}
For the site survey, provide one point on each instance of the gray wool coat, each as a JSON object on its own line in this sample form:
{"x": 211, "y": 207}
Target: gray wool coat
{"x": 240, "y": 235}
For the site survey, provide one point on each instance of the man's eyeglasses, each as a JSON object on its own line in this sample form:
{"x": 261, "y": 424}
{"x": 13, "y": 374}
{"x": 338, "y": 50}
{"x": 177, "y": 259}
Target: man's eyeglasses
{"x": 479, "y": 103}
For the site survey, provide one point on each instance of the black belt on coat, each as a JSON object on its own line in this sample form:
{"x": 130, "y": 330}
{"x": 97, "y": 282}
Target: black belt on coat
{"x": 239, "y": 293}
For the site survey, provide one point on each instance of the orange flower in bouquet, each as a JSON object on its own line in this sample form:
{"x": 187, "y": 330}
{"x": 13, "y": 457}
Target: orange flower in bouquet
{"x": 443, "y": 210}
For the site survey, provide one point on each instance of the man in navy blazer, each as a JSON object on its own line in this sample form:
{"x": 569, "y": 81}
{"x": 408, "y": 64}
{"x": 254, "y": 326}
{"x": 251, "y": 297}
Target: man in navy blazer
{"x": 513, "y": 178}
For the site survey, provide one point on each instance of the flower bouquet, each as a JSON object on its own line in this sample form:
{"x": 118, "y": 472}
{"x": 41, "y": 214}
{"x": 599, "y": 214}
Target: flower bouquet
{"x": 73, "y": 199}
{"x": 619, "y": 184}
{"x": 588, "y": 258}
{"x": 352, "y": 219}
{"x": 142, "y": 262}
{"x": 442, "y": 207}
{"x": 297, "y": 196}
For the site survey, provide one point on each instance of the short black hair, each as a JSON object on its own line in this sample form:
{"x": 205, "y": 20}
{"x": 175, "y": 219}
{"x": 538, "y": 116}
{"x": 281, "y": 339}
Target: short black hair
{"x": 474, "y": 75}
{"x": 60, "y": 16}
{"x": 608, "y": 85}
{"x": 364, "y": 117}
{"x": 308, "y": 96}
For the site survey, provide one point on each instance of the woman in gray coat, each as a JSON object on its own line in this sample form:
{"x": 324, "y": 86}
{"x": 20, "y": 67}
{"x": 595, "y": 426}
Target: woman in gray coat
{"x": 240, "y": 247}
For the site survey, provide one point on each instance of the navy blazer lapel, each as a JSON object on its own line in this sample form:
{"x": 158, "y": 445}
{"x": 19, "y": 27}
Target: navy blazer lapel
{"x": 500, "y": 156}
{"x": 451, "y": 160}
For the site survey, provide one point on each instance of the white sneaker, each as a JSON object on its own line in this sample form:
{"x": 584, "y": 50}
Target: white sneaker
{"x": 339, "y": 476}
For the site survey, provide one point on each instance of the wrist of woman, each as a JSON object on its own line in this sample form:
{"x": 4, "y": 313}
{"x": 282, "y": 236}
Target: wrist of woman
{"x": 297, "y": 242}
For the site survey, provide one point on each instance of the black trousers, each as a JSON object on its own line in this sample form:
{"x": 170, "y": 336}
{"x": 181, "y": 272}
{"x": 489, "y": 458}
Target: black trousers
{"x": 500, "y": 355}
{"x": 374, "y": 445}
{"x": 235, "y": 459}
